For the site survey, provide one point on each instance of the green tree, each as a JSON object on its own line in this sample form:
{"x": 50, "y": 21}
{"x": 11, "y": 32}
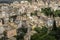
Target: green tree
{"x": 55, "y": 31}
{"x": 47, "y": 11}
{"x": 42, "y": 34}
{"x": 21, "y": 32}
{"x": 57, "y": 13}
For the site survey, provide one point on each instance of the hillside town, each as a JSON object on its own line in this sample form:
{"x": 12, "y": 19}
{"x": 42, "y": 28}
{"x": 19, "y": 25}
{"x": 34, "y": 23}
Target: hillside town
{"x": 24, "y": 14}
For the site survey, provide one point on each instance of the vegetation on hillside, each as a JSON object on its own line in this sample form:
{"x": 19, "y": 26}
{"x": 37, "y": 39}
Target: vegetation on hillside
{"x": 44, "y": 34}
